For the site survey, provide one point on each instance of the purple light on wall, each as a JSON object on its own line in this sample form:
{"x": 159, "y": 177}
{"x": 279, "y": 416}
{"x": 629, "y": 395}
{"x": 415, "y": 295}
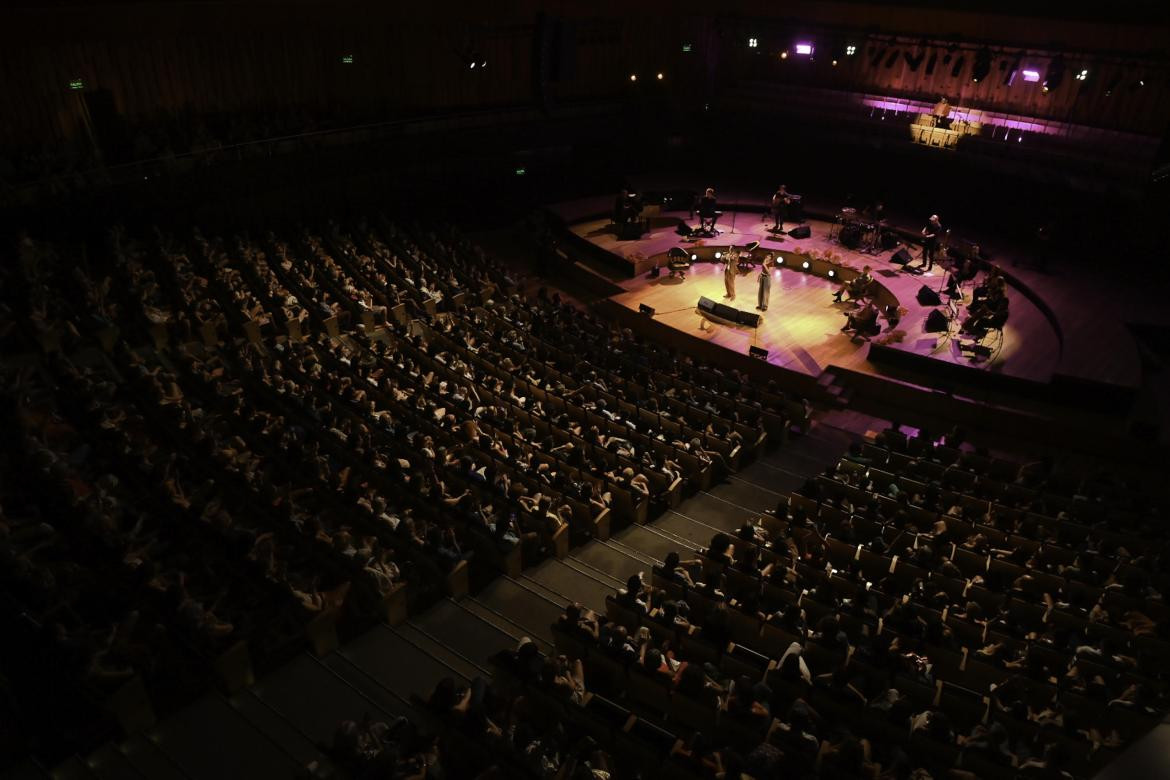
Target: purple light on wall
{"x": 804, "y": 48}
{"x": 1031, "y": 75}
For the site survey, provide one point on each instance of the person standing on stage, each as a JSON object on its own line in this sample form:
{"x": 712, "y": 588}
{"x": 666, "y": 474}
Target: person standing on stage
{"x": 780, "y": 202}
{"x": 930, "y": 238}
{"x": 730, "y": 269}
{"x": 765, "y": 283}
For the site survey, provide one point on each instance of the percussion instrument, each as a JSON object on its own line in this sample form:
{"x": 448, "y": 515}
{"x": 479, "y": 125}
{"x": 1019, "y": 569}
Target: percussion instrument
{"x": 850, "y": 235}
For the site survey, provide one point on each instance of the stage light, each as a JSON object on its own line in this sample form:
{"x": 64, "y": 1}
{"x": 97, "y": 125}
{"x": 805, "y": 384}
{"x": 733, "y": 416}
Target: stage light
{"x": 471, "y": 66}
{"x": 718, "y": 255}
{"x": 694, "y": 257}
{"x": 783, "y": 55}
{"x": 832, "y": 273}
{"x": 1084, "y": 74}
{"x": 483, "y": 63}
{"x": 804, "y": 265}
{"x": 753, "y": 43}
{"x": 633, "y": 77}
{"x": 834, "y": 63}
{"x": 780, "y": 260}
{"x": 804, "y": 48}
{"x": 661, "y": 76}
{"x": 850, "y": 50}
{"x": 1031, "y": 76}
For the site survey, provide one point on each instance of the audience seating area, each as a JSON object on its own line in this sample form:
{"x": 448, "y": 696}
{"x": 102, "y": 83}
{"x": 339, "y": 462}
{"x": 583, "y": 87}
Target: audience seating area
{"x": 917, "y": 610}
{"x": 228, "y": 449}
{"x": 224, "y": 451}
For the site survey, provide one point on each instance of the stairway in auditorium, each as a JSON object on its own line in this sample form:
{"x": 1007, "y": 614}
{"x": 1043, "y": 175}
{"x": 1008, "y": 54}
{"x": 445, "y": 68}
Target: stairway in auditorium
{"x": 280, "y": 723}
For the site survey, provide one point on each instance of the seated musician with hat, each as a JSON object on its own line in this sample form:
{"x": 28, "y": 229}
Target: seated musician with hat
{"x": 857, "y": 287}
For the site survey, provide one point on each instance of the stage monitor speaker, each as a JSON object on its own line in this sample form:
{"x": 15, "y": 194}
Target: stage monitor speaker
{"x": 644, "y": 309}
{"x": 725, "y": 312}
{"x": 928, "y": 297}
{"x": 800, "y": 231}
{"x": 936, "y": 321}
{"x": 706, "y": 305}
{"x": 901, "y": 257}
{"x": 749, "y": 318}
{"x": 758, "y": 352}
{"x": 630, "y": 231}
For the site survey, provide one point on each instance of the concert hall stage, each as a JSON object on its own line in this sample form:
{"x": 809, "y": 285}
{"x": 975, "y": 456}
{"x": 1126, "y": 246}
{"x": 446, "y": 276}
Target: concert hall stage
{"x": 1050, "y": 350}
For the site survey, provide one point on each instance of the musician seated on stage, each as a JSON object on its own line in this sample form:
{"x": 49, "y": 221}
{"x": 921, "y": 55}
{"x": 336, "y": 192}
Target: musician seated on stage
{"x": 994, "y": 282}
{"x": 857, "y": 287}
{"x": 989, "y": 311}
{"x": 707, "y": 211}
{"x": 864, "y": 321}
{"x": 875, "y": 212}
{"x": 962, "y": 272}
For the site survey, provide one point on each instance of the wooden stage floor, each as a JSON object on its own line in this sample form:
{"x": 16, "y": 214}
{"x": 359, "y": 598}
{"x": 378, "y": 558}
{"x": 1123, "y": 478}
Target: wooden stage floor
{"x": 801, "y": 329}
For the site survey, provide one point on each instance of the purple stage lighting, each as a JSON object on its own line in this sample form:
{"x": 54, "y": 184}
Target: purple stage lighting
{"x": 1030, "y": 75}
{"x": 804, "y": 48}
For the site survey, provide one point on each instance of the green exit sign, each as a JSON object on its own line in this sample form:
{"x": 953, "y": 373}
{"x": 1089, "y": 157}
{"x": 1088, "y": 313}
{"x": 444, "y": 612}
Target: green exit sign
{"x": 521, "y": 171}
{"x": 688, "y": 47}
{"x": 347, "y": 59}
{"x": 76, "y": 84}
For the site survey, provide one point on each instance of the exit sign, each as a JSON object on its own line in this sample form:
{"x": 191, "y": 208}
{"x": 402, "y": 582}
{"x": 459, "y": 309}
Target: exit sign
{"x": 347, "y": 59}
{"x": 76, "y": 84}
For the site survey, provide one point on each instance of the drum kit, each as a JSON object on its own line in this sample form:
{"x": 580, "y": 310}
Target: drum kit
{"x": 853, "y": 231}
